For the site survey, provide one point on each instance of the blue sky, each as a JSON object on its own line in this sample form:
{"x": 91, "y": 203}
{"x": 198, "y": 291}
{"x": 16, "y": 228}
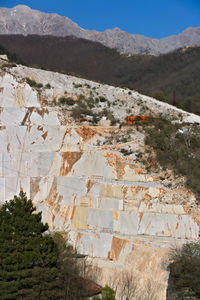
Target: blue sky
{"x": 152, "y": 18}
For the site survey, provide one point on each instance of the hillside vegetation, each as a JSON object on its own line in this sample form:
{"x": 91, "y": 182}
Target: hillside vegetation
{"x": 33, "y": 263}
{"x": 184, "y": 270}
{"x": 177, "y": 148}
{"x": 173, "y": 77}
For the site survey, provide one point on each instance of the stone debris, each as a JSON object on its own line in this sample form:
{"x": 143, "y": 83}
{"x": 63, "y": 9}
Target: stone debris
{"x": 4, "y": 57}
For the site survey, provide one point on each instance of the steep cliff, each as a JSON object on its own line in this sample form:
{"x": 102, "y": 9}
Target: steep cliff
{"x": 72, "y": 165}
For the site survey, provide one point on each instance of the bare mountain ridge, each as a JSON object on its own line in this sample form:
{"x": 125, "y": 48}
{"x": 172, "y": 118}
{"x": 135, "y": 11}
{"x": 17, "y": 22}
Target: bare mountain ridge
{"x": 23, "y": 20}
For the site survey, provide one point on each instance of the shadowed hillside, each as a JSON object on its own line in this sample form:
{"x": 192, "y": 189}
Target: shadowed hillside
{"x": 173, "y": 77}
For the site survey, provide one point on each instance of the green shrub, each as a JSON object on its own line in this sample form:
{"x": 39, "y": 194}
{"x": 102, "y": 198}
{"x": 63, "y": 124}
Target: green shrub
{"x": 88, "y": 86}
{"x": 185, "y": 271}
{"x": 33, "y": 83}
{"x": 48, "y": 86}
{"x": 66, "y": 101}
{"x": 107, "y": 293}
{"x": 77, "y": 85}
{"x": 39, "y": 85}
{"x": 126, "y": 152}
{"x": 102, "y": 99}
{"x": 96, "y": 118}
{"x": 8, "y": 65}
{"x": 80, "y": 111}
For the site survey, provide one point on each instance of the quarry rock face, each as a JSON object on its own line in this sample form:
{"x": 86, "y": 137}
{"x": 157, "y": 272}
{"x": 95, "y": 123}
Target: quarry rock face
{"x": 112, "y": 208}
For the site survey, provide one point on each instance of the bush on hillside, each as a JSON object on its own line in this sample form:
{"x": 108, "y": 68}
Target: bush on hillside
{"x": 177, "y": 147}
{"x": 66, "y": 101}
{"x": 185, "y": 272}
{"x": 33, "y": 83}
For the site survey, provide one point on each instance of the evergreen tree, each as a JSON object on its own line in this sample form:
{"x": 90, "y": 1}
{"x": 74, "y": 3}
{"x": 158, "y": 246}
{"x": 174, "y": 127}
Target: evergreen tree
{"x": 28, "y": 256}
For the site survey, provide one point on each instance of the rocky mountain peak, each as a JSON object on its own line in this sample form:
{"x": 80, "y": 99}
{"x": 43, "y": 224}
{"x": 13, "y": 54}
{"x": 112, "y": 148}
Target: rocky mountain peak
{"x": 22, "y": 7}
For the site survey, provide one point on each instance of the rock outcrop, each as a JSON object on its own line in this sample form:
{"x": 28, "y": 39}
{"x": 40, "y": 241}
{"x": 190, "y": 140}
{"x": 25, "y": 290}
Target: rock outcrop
{"x": 112, "y": 208}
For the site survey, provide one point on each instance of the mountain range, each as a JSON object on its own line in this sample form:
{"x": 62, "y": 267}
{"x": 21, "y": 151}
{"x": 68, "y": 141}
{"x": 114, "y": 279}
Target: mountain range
{"x": 23, "y": 20}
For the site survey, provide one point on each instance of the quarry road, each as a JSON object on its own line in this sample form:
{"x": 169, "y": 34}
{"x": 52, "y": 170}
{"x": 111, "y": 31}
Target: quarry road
{"x": 158, "y": 241}
{"x": 122, "y": 182}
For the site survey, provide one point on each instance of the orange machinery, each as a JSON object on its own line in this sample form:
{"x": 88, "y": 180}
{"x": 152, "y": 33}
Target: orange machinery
{"x": 133, "y": 119}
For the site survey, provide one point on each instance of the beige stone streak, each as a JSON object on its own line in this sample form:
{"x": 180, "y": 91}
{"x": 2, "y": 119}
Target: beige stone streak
{"x": 67, "y": 131}
{"x": 68, "y": 160}
{"x": 89, "y": 185}
{"x": 67, "y": 213}
{"x": 119, "y": 165}
{"x": 114, "y": 161}
{"x": 79, "y": 218}
{"x": 85, "y": 132}
{"x": 116, "y": 248}
{"x": 34, "y": 187}
{"x": 20, "y": 100}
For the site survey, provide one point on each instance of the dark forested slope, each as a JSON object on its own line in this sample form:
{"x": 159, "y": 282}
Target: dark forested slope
{"x": 172, "y": 77}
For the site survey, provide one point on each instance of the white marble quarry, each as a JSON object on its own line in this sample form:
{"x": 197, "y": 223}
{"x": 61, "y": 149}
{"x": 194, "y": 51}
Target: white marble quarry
{"x": 57, "y": 163}
{"x": 107, "y": 203}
